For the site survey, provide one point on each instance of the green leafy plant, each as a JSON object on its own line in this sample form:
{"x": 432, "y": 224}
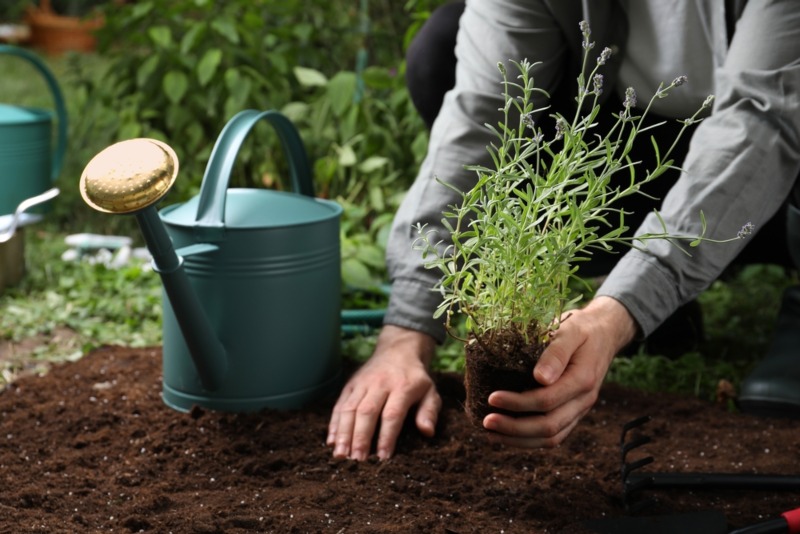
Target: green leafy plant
{"x": 364, "y": 141}
{"x": 178, "y": 70}
{"x": 545, "y": 206}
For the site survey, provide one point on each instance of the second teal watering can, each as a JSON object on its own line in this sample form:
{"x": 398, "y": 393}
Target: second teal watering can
{"x": 29, "y": 163}
{"x": 253, "y": 291}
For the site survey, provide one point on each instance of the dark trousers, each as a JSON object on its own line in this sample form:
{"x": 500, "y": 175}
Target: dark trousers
{"x": 430, "y": 73}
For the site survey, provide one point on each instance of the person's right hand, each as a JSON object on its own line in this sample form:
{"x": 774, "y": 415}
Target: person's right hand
{"x": 383, "y": 390}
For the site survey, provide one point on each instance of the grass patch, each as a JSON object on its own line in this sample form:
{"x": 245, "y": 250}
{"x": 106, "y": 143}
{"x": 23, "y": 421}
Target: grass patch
{"x": 64, "y": 309}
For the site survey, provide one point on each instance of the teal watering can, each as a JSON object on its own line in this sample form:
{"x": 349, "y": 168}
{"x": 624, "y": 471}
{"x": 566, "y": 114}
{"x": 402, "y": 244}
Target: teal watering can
{"x": 253, "y": 291}
{"x": 28, "y": 163}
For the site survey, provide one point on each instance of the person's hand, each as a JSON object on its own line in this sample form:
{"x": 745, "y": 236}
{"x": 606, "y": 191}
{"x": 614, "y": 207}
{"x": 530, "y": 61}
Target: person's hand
{"x": 571, "y": 369}
{"x": 383, "y": 390}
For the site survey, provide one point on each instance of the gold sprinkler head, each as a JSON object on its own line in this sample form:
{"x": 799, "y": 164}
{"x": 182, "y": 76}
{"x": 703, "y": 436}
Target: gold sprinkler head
{"x": 129, "y": 176}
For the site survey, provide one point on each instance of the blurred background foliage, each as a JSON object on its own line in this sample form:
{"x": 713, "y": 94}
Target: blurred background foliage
{"x": 178, "y": 70}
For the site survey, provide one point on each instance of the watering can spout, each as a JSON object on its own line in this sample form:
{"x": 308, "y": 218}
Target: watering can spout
{"x": 130, "y": 177}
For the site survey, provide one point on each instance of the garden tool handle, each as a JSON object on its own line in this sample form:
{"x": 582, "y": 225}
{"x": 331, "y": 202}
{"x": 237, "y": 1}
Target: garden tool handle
{"x": 211, "y": 204}
{"x": 714, "y": 480}
{"x": 58, "y": 99}
{"x": 788, "y": 523}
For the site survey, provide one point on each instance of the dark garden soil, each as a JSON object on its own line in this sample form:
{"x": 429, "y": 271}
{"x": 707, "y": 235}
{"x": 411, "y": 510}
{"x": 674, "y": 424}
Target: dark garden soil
{"x": 90, "y": 447}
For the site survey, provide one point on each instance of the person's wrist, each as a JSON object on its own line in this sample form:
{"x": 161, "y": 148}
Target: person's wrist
{"x": 399, "y": 342}
{"x": 616, "y": 319}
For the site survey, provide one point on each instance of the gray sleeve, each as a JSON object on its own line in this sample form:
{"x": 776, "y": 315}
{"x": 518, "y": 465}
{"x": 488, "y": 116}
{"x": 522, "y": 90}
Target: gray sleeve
{"x": 490, "y": 31}
{"x": 741, "y": 165}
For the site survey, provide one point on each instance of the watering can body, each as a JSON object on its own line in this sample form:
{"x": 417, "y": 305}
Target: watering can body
{"x": 29, "y": 163}
{"x": 265, "y": 268}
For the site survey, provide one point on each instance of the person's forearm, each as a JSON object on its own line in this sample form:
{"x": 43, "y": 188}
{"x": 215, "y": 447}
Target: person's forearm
{"x": 491, "y": 31}
{"x": 741, "y": 165}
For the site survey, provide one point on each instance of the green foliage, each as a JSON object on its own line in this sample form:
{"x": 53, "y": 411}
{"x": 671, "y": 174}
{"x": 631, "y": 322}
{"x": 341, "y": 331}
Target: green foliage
{"x": 11, "y": 11}
{"x": 126, "y": 310}
{"x": 365, "y": 148}
{"x": 365, "y": 140}
{"x": 179, "y": 70}
{"x": 740, "y": 310}
{"x": 739, "y": 313}
{"x": 76, "y": 8}
{"x": 62, "y": 309}
{"x": 544, "y": 207}
{"x": 692, "y": 373}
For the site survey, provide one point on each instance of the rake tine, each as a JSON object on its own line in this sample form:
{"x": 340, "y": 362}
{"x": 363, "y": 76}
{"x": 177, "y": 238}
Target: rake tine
{"x": 630, "y": 487}
{"x": 638, "y": 464}
{"x": 636, "y": 443}
{"x": 630, "y": 425}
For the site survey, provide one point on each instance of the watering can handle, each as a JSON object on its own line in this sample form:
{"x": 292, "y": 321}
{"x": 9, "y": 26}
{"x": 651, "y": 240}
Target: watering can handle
{"x": 61, "y": 110}
{"x": 211, "y": 205}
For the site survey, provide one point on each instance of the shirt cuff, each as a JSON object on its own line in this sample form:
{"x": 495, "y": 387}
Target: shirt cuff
{"x": 411, "y": 305}
{"x": 645, "y": 287}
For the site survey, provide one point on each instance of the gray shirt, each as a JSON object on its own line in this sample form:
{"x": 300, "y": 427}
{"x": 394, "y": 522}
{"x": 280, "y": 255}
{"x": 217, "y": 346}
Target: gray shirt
{"x": 742, "y": 162}
{"x": 651, "y": 59}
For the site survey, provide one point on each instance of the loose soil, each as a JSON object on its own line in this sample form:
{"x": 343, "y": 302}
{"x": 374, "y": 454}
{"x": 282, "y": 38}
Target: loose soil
{"x": 503, "y": 361}
{"x": 89, "y": 447}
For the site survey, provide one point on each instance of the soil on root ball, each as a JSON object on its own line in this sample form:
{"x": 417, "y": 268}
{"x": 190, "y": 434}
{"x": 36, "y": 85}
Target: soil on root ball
{"x": 90, "y": 447}
{"x": 504, "y": 360}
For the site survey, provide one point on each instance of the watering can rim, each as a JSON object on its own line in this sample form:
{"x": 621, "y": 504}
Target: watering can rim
{"x": 26, "y": 115}
{"x": 183, "y": 214}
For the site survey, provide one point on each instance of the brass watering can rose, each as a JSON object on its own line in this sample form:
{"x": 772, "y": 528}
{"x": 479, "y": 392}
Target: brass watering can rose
{"x": 129, "y": 176}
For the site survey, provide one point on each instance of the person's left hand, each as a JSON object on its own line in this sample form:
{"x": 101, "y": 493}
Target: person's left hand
{"x": 571, "y": 371}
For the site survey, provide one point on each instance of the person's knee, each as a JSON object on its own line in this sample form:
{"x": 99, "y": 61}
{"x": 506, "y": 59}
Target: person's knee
{"x": 431, "y": 60}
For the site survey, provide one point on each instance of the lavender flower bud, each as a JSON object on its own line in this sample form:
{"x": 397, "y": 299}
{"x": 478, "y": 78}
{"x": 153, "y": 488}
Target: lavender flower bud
{"x": 708, "y": 101}
{"x": 527, "y": 119}
{"x": 680, "y": 80}
{"x": 746, "y": 230}
{"x": 587, "y": 32}
{"x": 501, "y": 67}
{"x": 604, "y": 55}
{"x": 630, "y": 98}
{"x": 598, "y": 84}
{"x": 560, "y": 128}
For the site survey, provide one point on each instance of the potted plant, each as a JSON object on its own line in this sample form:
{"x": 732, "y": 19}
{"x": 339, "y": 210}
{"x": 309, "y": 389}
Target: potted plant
{"x": 520, "y": 232}
{"x": 64, "y": 25}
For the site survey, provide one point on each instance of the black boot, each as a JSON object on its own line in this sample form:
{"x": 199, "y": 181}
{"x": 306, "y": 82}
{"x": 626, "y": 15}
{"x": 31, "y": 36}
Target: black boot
{"x": 773, "y": 388}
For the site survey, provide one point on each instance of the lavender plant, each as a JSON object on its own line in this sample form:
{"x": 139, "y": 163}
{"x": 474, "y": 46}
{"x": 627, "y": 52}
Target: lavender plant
{"x": 544, "y": 206}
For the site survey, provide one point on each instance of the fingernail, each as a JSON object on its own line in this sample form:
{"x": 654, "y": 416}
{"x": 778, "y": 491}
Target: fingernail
{"x": 383, "y": 454}
{"x": 487, "y": 423}
{"x": 545, "y": 374}
{"x": 340, "y": 451}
